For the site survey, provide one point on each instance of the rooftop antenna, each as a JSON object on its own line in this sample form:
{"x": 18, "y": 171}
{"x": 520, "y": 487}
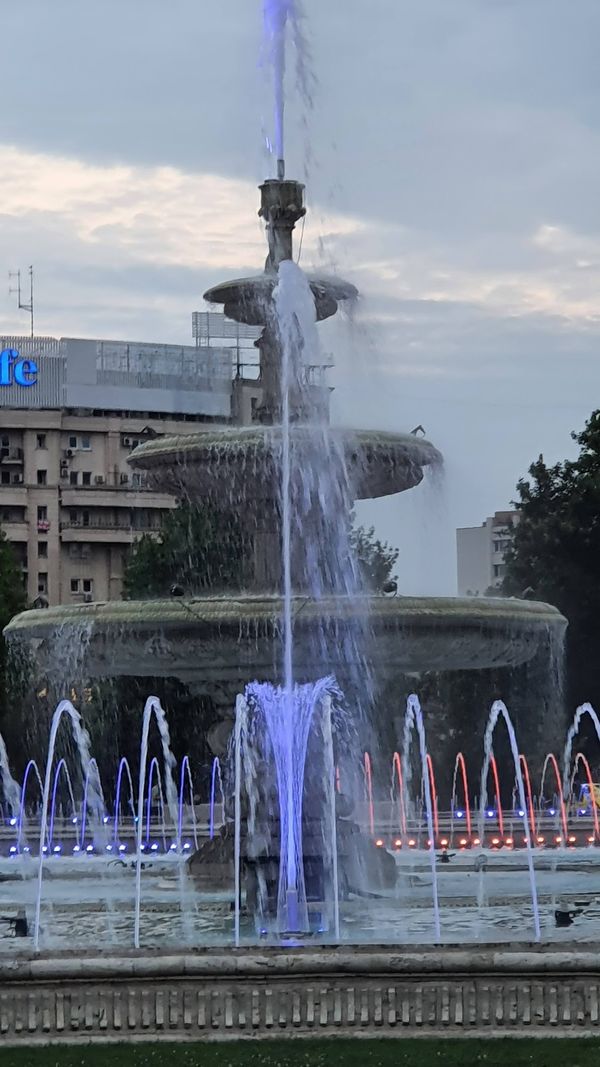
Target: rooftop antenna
{"x": 17, "y": 290}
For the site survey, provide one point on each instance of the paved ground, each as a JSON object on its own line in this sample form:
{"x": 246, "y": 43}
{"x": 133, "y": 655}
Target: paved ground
{"x": 333, "y": 1053}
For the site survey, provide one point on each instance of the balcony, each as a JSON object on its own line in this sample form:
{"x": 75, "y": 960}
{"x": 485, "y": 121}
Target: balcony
{"x": 119, "y": 496}
{"x": 14, "y": 495}
{"x": 103, "y": 532}
{"x": 16, "y": 530}
{"x": 12, "y": 457}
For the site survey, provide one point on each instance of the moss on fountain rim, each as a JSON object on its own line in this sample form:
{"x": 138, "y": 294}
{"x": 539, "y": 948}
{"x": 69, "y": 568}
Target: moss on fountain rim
{"x": 233, "y": 610}
{"x": 240, "y": 438}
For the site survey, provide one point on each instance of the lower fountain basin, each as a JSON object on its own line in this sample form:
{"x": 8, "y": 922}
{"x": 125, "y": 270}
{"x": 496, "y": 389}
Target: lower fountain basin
{"x": 231, "y": 639}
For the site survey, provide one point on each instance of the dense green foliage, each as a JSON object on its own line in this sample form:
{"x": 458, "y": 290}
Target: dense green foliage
{"x": 404, "y": 1052}
{"x": 198, "y": 549}
{"x": 12, "y": 600}
{"x": 201, "y": 549}
{"x": 376, "y": 559}
{"x": 556, "y": 553}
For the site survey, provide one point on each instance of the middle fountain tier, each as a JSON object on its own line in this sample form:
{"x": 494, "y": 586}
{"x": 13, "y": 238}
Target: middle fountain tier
{"x": 240, "y": 468}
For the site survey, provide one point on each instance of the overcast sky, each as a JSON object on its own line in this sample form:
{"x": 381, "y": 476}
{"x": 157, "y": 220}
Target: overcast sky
{"x": 453, "y": 176}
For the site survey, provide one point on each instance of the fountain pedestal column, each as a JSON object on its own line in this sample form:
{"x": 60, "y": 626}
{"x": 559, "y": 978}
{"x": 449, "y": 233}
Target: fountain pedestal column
{"x": 267, "y": 550}
{"x": 281, "y": 206}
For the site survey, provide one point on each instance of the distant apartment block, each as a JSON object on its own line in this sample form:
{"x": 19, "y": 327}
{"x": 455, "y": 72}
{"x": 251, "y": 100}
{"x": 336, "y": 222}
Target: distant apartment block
{"x": 481, "y": 552}
{"x": 71, "y": 411}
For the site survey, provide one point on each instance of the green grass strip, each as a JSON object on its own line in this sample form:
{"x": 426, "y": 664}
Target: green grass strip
{"x": 512, "y": 1052}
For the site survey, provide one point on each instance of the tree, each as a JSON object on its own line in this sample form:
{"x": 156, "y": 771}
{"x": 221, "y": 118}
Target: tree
{"x": 555, "y": 556}
{"x": 201, "y": 549}
{"x": 198, "y": 549}
{"x": 376, "y": 559}
{"x": 12, "y": 600}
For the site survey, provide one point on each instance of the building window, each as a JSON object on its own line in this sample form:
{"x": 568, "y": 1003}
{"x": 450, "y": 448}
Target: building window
{"x": 86, "y": 444}
{"x": 72, "y": 442}
{"x": 42, "y": 550}
{"x": 86, "y": 477}
{"x": 42, "y": 477}
{"x": 5, "y": 442}
{"x": 42, "y": 513}
{"x": 87, "y": 585}
{"x": 40, "y": 440}
{"x": 85, "y": 518}
{"x": 74, "y": 585}
{"x": 43, "y": 582}
{"x": 73, "y": 477}
{"x": 5, "y": 478}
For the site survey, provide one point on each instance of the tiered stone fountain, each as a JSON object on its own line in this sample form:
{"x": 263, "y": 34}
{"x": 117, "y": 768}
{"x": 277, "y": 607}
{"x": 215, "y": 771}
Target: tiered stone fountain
{"x": 217, "y": 644}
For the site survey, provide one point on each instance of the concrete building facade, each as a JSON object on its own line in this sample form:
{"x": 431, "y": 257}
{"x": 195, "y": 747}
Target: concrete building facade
{"x": 480, "y": 552}
{"x": 71, "y": 411}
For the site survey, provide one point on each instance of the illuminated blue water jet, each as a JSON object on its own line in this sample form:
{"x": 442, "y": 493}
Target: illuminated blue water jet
{"x": 273, "y": 731}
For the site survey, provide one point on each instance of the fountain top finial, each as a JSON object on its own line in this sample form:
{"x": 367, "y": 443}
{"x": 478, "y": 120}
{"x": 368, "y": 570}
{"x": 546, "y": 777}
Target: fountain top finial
{"x": 281, "y": 206}
{"x": 248, "y": 300}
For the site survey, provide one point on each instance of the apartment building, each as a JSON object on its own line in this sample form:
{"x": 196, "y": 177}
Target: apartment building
{"x": 481, "y": 552}
{"x": 71, "y": 411}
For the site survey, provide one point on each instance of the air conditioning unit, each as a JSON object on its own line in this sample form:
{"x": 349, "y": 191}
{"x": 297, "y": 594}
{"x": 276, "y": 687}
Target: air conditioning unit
{"x": 127, "y": 442}
{"x": 99, "y": 479}
{"x": 88, "y": 598}
{"x": 124, "y": 479}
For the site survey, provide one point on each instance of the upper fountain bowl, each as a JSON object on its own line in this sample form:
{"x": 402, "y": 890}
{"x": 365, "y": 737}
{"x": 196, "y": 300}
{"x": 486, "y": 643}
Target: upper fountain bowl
{"x": 247, "y": 459}
{"x": 248, "y": 300}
